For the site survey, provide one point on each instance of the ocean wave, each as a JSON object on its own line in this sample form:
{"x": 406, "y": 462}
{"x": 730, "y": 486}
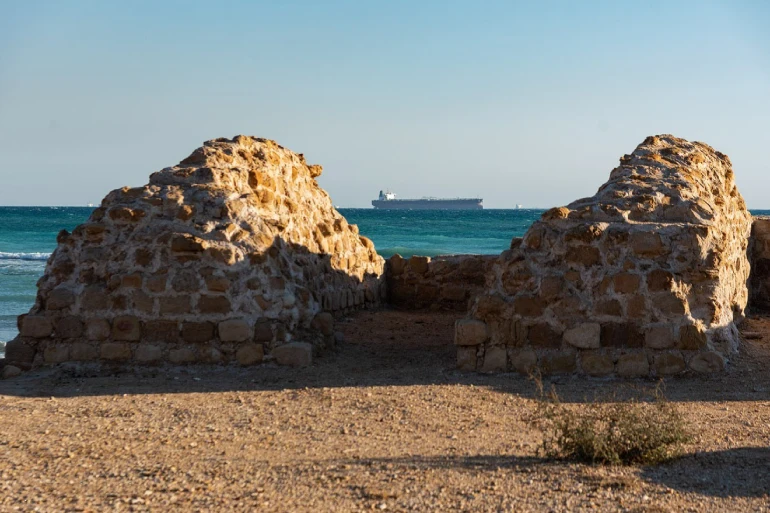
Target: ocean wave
{"x": 24, "y": 256}
{"x": 408, "y": 252}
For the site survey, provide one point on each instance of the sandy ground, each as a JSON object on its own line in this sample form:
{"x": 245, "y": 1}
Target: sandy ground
{"x": 386, "y": 423}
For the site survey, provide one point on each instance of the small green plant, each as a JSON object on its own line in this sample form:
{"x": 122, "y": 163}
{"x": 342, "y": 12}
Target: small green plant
{"x": 646, "y": 429}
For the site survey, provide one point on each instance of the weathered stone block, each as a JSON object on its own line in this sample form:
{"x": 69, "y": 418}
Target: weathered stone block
{"x": 647, "y": 244}
{"x": 148, "y": 353}
{"x": 156, "y": 283}
{"x": 625, "y": 335}
{"x": 249, "y": 354}
{"x": 214, "y": 304}
{"x": 115, "y": 351}
{"x": 659, "y": 280}
{"x": 636, "y": 307}
{"x": 633, "y": 365}
{"x": 453, "y": 292}
{"x": 419, "y": 264}
{"x": 470, "y": 332}
{"x": 197, "y": 332}
{"x": 523, "y": 361}
{"x": 563, "y": 362}
{"x": 17, "y": 352}
{"x": 69, "y": 327}
{"x": 82, "y": 352}
{"x": 175, "y": 305}
{"x": 142, "y": 302}
{"x": 586, "y": 256}
{"x": 670, "y": 304}
{"x": 98, "y": 329}
{"x": 692, "y": 337}
{"x": 495, "y": 359}
{"x": 126, "y": 327}
{"x": 596, "y": 363}
{"x": 323, "y": 322}
{"x": 186, "y": 281}
{"x": 185, "y": 212}
{"x": 294, "y": 354}
{"x": 517, "y": 334}
{"x": 210, "y": 354}
{"x": 36, "y": 326}
{"x": 669, "y": 363}
{"x": 11, "y": 371}
{"x": 182, "y": 355}
{"x": 131, "y": 281}
{"x": 93, "y": 299}
{"x": 584, "y": 336}
{"x": 626, "y": 283}
{"x": 60, "y": 298}
{"x": 466, "y": 357}
{"x": 263, "y": 332}
{"x": 427, "y": 293}
{"x": 707, "y": 363}
{"x": 529, "y": 306}
{"x": 143, "y": 257}
{"x": 551, "y": 286}
{"x": 58, "y": 353}
{"x": 544, "y": 335}
{"x": 234, "y": 330}
{"x": 188, "y": 243}
{"x": 218, "y": 284}
{"x": 659, "y": 337}
{"x": 609, "y": 307}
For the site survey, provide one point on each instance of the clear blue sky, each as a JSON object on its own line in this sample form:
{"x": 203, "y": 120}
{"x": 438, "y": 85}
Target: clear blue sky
{"x": 517, "y": 102}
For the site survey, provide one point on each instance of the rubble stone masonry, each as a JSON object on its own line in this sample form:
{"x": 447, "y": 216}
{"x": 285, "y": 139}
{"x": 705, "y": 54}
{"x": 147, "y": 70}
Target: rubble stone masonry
{"x": 444, "y": 282}
{"x": 647, "y": 277}
{"x": 234, "y": 254}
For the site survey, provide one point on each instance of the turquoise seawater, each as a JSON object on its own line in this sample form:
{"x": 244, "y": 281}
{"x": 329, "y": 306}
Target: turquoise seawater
{"x": 28, "y": 236}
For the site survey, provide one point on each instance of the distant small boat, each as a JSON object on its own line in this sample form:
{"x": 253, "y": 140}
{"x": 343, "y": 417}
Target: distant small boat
{"x": 90, "y": 204}
{"x": 518, "y": 206}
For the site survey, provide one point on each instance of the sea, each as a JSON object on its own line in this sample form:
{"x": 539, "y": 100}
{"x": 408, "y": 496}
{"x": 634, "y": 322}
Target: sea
{"x": 28, "y": 236}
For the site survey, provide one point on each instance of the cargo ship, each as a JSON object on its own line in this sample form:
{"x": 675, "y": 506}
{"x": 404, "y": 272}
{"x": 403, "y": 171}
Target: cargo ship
{"x": 387, "y": 200}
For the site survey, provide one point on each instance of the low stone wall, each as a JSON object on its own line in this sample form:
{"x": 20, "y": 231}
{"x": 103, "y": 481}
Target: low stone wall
{"x": 759, "y": 254}
{"x": 444, "y": 282}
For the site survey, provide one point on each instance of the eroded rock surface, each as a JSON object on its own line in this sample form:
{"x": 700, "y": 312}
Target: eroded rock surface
{"x": 647, "y": 277}
{"x": 226, "y": 256}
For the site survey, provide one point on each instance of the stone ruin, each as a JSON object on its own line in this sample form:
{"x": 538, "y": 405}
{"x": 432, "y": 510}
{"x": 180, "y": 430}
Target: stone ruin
{"x": 647, "y": 277}
{"x": 234, "y": 254}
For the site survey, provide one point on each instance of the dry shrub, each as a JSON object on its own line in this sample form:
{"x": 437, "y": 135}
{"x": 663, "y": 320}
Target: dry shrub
{"x": 643, "y": 429}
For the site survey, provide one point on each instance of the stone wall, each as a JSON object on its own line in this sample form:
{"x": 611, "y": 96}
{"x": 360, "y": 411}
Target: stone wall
{"x": 234, "y": 254}
{"x": 443, "y": 282}
{"x": 645, "y": 278}
{"x": 759, "y": 249}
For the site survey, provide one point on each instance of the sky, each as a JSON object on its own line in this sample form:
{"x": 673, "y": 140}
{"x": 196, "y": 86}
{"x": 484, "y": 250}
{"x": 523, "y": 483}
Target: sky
{"x": 526, "y": 103}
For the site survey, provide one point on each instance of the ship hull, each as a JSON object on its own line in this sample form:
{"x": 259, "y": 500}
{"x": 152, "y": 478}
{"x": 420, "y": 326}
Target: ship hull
{"x": 430, "y": 204}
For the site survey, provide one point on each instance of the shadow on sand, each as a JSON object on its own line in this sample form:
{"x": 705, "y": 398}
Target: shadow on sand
{"x": 738, "y": 472}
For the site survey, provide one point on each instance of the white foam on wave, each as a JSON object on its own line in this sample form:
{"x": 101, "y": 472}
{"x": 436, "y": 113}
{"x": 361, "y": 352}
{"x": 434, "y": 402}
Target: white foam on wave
{"x": 24, "y": 256}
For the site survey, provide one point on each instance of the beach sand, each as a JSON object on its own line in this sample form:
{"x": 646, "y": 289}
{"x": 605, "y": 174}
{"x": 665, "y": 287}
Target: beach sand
{"x": 384, "y": 423}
